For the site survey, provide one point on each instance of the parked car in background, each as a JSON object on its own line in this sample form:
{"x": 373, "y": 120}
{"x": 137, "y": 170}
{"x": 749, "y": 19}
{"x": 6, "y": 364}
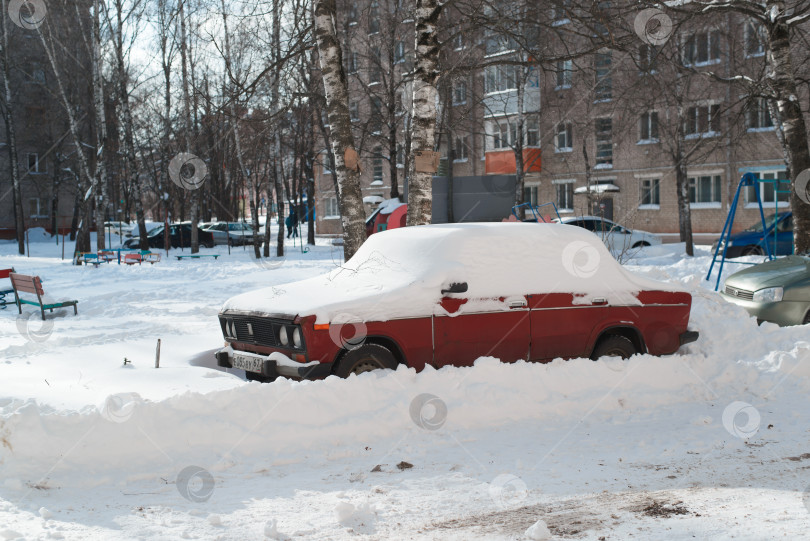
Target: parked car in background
{"x": 753, "y": 240}
{"x": 777, "y": 291}
{"x": 615, "y": 236}
{"x": 237, "y": 233}
{"x": 448, "y": 294}
{"x": 179, "y": 236}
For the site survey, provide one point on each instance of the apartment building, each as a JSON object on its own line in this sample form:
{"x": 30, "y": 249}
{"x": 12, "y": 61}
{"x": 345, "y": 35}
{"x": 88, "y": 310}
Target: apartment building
{"x": 45, "y": 149}
{"x": 603, "y": 132}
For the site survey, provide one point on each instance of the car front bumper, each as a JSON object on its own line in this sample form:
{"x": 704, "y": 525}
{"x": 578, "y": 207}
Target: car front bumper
{"x": 783, "y": 313}
{"x": 272, "y": 366}
{"x": 689, "y": 336}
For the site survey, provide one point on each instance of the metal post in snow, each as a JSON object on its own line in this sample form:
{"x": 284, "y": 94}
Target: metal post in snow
{"x": 157, "y": 354}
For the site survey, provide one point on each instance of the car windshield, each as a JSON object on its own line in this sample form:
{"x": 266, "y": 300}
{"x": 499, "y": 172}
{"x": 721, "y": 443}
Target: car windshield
{"x": 756, "y": 227}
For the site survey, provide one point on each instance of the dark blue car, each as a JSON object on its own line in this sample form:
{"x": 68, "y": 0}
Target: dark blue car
{"x": 752, "y": 241}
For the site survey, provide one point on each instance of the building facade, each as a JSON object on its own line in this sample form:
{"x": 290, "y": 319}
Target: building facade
{"x": 605, "y": 131}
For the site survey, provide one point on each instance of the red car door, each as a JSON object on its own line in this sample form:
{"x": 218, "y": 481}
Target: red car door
{"x": 561, "y": 328}
{"x": 462, "y": 335}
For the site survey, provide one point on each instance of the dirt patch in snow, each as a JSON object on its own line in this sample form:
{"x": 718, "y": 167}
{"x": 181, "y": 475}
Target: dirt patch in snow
{"x": 567, "y": 519}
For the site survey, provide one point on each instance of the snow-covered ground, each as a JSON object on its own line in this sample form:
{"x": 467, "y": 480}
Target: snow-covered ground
{"x": 711, "y": 443}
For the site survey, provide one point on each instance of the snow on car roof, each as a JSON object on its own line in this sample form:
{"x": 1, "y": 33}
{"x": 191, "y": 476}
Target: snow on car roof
{"x": 400, "y": 272}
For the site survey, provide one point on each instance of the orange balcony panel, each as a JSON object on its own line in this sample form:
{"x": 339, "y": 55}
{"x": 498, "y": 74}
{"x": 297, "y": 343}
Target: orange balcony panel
{"x": 502, "y": 162}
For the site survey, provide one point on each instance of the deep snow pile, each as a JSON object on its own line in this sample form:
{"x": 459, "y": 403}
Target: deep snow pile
{"x": 698, "y": 444}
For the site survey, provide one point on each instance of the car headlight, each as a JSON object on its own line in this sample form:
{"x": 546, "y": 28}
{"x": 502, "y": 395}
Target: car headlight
{"x": 283, "y": 337}
{"x": 297, "y": 338}
{"x": 770, "y": 294}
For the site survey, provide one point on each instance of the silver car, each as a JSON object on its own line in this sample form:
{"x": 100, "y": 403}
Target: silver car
{"x": 777, "y": 291}
{"x": 235, "y": 233}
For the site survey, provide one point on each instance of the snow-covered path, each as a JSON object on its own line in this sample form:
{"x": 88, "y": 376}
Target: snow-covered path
{"x": 645, "y": 449}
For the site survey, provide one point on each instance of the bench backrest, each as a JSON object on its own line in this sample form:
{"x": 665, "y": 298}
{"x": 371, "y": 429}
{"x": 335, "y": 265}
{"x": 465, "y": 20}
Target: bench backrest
{"x": 27, "y": 284}
{"x": 151, "y": 257}
{"x": 5, "y": 273}
{"x": 132, "y": 257}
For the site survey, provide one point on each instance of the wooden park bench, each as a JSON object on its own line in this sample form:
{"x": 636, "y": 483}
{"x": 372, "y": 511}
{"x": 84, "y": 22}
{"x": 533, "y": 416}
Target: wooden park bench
{"x": 196, "y": 256}
{"x": 5, "y": 273}
{"x": 107, "y": 256}
{"x": 131, "y": 259}
{"x": 151, "y": 257}
{"x": 32, "y": 284}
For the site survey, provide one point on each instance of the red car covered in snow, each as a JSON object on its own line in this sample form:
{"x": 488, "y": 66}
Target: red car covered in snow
{"x": 448, "y": 294}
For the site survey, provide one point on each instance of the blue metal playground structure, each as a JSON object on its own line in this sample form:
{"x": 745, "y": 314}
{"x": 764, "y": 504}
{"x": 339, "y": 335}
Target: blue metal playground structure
{"x": 747, "y": 180}
{"x": 535, "y": 211}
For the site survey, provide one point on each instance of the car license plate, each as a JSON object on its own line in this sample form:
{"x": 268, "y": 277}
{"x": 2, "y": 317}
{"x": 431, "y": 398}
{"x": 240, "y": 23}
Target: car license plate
{"x": 249, "y": 363}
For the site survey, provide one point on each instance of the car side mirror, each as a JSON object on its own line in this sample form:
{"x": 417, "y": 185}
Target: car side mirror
{"x": 456, "y": 287}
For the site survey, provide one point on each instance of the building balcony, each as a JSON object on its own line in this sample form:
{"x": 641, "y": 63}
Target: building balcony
{"x": 502, "y": 162}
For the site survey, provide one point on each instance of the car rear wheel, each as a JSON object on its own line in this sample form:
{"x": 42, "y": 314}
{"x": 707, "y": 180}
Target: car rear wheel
{"x": 641, "y": 244}
{"x": 614, "y": 345}
{"x": 366, "y": 358}
{"x": 752, "y": 250}
{"x": 806, "y": 319}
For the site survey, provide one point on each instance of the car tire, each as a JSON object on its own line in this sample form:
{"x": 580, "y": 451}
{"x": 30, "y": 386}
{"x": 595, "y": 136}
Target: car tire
{"x": 641, "y": 244}
{"x": 258, "y": 377}
{"x": 806, "y": 319}
{"x": 614, "y": 345}
{"x": 209, "y": 244}
{"x": 365, "y": 358}
{"x": 752, "y": 250}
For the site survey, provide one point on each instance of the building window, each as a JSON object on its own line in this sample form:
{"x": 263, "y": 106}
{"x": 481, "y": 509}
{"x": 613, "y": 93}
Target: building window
{"x": 459, "y": 93}
{"x": 502, "y": 135}
{"x": 354, "y": 62}
{"x": 400, "y": 155}
{"x": 532, "y": 132}
{"x": 604, "y": 81}
{"x": 564, "y": 137}
{"x": 565, "y": 195}
{"x": 461, "y": 149}
{"x": 565, "y": 74}
{"x": 702, "y": 48}
{"x": 500, "y": 78}
{"x": 37, "y": 208}
{"x": 37, "y": 73}
{"x": 35, "y": 165}
{"x": 649, "y": 127}
{"x": 458, "y": 41}
{"x": 377, "y": 165}
{"x": 704, "y": 189}
{"x": 650, "y": 192}
{"x": 604, "y": 142}
{"x": 530, "y": 195}
{"x": 374, "y": 71}
{"x": 376, "y": 116}
{"x": 648, "y": 58}
{"x": 559, "y": 12}
{"x": 702, "y": 120}
{"x": 399, "y": 52}
{"x": 758, "y": 115}
{"x": 354, "y": 111}
{"x": 374, "y": 17}
{"x": 755, "y": 39}
{"x": 498, "y": 43}
{"x": 767, "y": 190}
{"x": 331, "y": 208}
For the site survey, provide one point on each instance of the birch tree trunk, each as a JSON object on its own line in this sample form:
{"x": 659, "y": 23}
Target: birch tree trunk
{"x": 11, "y": 137}
{"x": 520, "y": 176}
{"x": 194, "y": 195}
{"x": 99, "y": 181}
{"x": 682, "y": 186}
{"x": 795, "y": 130}
{"x": 425, "y": 93}
{"x": 330, "y": 57}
